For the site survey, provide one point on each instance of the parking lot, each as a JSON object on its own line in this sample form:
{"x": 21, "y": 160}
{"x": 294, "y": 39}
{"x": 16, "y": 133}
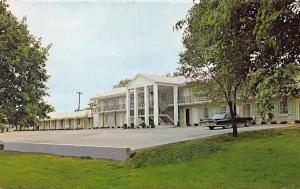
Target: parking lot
{"x": 130, "y": 138}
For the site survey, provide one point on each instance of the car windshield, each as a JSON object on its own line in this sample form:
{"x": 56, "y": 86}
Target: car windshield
{"x": 219, "y": 116}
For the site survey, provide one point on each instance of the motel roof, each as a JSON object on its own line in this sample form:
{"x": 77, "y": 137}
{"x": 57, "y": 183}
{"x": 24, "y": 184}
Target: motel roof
{"x": 144, "y": 78}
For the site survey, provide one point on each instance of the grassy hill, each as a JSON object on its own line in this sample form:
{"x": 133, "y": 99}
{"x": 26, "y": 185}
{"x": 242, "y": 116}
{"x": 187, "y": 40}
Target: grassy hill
{"x": 260, "y": 159}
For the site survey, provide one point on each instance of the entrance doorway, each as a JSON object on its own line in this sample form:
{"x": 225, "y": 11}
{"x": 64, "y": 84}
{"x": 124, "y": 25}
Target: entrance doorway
{"x": 187, "y": 116}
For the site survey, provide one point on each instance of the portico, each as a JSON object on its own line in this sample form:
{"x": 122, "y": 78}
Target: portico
{"x": 143, "y": 95}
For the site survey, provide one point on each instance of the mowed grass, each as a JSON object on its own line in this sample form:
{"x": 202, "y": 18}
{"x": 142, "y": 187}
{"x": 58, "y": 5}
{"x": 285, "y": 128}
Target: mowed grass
{"x": 260, "y": 159}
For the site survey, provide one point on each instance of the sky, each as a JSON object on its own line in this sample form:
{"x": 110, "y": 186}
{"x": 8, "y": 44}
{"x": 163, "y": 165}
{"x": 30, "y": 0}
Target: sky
{"x": 96, "y": 44}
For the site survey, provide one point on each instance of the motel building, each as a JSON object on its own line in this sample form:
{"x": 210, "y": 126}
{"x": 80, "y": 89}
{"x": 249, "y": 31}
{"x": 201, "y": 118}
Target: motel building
{"x": 162, "y": 102}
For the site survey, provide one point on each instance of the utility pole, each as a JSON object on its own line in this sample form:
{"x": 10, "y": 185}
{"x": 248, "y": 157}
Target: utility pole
{"x": 79, "y": 93}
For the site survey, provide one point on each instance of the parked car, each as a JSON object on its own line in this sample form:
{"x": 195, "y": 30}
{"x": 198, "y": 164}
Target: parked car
{"x": 223, "y": 120}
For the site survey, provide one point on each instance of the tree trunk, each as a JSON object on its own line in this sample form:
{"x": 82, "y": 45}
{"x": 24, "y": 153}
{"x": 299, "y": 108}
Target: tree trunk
{"x": 232, "y": 108}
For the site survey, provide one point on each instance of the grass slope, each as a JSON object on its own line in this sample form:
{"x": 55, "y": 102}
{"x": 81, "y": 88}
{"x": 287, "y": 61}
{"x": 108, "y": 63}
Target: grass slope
{"x": 261, "y": 159}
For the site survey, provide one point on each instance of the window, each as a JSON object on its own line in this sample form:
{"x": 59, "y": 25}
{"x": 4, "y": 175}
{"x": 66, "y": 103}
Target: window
{"x": 106, "y": 119}
{"x": 205, "y": 112}
{"x": 164, "y": 96}
{"x": 106, "y": 103}
{"x": 283, "y": 107}
{"x": 222, "y": 109}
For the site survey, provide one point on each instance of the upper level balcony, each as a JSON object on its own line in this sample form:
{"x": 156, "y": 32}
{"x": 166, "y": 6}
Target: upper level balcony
{"x": 115, "y": 107}
{"x": 192, "y": 99}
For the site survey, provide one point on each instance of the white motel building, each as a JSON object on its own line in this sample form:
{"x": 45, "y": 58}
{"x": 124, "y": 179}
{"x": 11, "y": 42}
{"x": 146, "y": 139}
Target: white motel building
{"x": 159, "y": 101}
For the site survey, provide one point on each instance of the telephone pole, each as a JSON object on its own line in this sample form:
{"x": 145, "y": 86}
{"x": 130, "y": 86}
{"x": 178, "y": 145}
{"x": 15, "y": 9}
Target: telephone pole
{"x": 79, "y": 94}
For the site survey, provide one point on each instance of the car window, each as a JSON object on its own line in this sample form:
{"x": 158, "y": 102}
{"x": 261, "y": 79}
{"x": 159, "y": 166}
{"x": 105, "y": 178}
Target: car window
{"x": 218, "y": 116}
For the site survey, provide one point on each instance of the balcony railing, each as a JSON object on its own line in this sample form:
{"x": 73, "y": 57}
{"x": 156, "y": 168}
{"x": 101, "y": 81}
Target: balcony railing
{"x": 192, "y": 99}
{"x": 113, "y": 107}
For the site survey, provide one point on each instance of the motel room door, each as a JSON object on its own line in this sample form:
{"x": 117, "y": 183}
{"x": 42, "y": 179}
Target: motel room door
{"x": 187, "y": 116}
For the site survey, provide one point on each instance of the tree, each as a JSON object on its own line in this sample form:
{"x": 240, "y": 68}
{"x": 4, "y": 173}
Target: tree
{"x": 231, "y": 42}
{"x": 122, "y": 83}
{"x": 22, "y": 72}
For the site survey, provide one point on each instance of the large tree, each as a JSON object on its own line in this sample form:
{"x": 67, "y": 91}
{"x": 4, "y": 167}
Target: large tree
{"x": 22, "y": 72}
{"x": 229, "y": 43}
{"x": 122, "y": 83}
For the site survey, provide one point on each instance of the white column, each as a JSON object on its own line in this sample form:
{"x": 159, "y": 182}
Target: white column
{"x": 96, "y": 118}
{"x": 128, "y": 107}
{"x": 146, "y": 103}
{"x": 136, "y": 109}
{"x": 175, "y": 94}
{"x": 155, "y": 104}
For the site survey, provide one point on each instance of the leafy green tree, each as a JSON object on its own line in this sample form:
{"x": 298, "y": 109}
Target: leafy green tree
{"x": 122, "y": 83}
{"x": 228, "y": 42}
{"x": 22, "y": 72}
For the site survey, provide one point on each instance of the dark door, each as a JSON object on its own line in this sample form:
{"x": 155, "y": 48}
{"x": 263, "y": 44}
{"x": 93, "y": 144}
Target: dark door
{"x": 187, "y": 116}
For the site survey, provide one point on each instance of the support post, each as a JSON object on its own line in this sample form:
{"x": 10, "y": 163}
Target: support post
{"x": 155, "y": 104}
{"x": 128, "y": 108}
{"x": 175, "y": 95}
{"x": 136, "y": 109}
{"x": 146, "y": 103}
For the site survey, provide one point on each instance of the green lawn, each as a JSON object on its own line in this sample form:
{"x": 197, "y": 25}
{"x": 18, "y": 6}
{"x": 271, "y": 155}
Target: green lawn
{"x": 261, "y": 159}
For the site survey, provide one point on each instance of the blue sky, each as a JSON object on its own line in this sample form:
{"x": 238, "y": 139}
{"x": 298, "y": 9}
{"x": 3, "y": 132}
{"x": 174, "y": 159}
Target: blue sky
{"x": 96, "y": 44}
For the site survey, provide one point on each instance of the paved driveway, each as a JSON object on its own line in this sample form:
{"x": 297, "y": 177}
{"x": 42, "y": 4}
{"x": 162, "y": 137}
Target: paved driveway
{"x": 132, "y": 138}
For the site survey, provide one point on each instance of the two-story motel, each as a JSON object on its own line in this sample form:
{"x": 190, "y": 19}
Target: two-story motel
{"x": 157, "y": 100}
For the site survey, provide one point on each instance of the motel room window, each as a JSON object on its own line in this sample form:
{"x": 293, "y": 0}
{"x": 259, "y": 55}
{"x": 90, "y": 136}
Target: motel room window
{"x": 283, "y": 107}
{"x": 164, "y": 96}
{"x": 222, "y": 109}
{"x": 106, "y": 119}
{"x": 205, "y": 112}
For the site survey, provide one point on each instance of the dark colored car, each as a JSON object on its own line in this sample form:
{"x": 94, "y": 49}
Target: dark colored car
{"x": 223, "y": 120}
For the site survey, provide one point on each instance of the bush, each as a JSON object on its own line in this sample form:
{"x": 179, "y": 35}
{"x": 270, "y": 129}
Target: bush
{"x": 124, "y": 126}
{"x": 196, "y": 124}
{"x": 153, "y": 126}
{"x": 283, "y": 122}
{"x": 132, "y": 125}
{"x": 178, "y": 124}
{"x": 143, "y": 125}
{"x": 253, "y": 123}
{"x": 273, "y": 122}
{"x": 188, "y": 124}
{"x": 137, "y": 127}
{"x": 263, "y": 123}
{"x": 297, "y": 121}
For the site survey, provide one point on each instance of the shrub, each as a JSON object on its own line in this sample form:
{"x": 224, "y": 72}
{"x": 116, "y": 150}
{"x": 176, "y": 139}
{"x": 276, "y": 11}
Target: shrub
{"x": 153, "y": 126}
{"x": 273, "y": 122}
{"x": 196, "y": 124}
{"x": 132, "y": 125}
{"x": 178, "y": 124}
{"x": 263, "y": 122}
{"x": 297, "y": 121}
{"x": 188, "y": 124}
{"x": 253, "y": 123}
{"x": 283, "y": 122}
{"x": 143, "y": 125}
{"x": 124, "y": 126}
{"x": 137, "y": 127}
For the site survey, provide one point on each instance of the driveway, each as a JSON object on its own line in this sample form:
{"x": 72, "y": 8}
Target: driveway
{"x": 131, "y": 138}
